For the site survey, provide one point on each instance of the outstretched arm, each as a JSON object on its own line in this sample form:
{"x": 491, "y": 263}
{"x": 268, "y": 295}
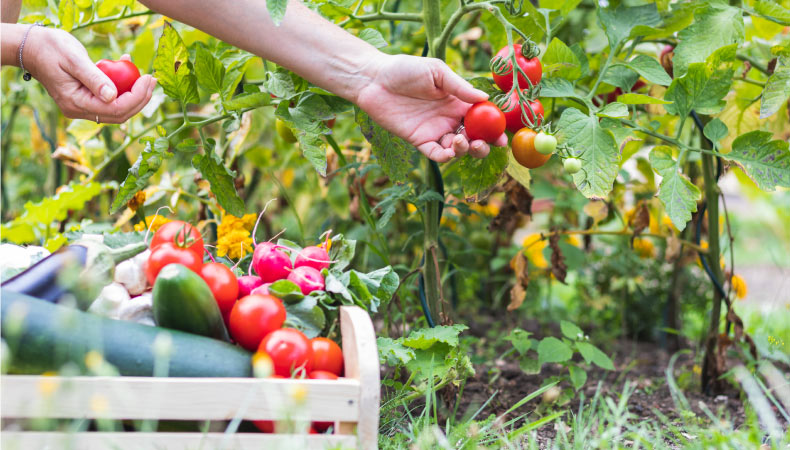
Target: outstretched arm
{"x": 418, "y": 99}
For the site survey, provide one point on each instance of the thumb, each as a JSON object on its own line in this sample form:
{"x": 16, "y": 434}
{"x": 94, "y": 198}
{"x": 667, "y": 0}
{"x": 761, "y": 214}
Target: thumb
{"x": 454, "y": 84}
{"x": 94, "y": 79}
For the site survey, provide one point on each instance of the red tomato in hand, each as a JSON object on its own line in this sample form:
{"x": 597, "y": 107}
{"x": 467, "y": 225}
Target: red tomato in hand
{"x": 253, "y": 317}
{"x": 531, "y": 67}
{"x": 485, "y": 121}
{"x": 513, "y": 117}
{"x": 223, "y": 284}
{"x": 327, "y": 356}
{"x": 169, "y": 253}
{"x": 122, "y": 73}
{"x": 289, "y": 349}
{"x": 181, "y": 234}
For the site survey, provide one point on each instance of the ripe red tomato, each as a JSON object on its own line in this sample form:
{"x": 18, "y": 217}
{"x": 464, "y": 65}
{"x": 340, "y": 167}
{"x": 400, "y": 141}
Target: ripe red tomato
{"x": 181, "y": 234}
{"x": 513, "y": 117}
{"x": 322, "y": 375}
{"x": 327, "y": 356}
{"x": 122, "y": 73}
{"x": 523, "y": 145}
{"x": 169, "y": 253}
{"x": 289, "y": 349}
{"x": 253, "y": 317}
{"x": 223, "y": 284}
{"x": 485, "y": 121}
{"x": 265, "y": 426}
{"x": 531, "y": 67}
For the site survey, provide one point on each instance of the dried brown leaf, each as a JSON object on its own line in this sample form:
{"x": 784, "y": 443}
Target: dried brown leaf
{"x": 558, "y": 267}
{"x": 640, "y": 219}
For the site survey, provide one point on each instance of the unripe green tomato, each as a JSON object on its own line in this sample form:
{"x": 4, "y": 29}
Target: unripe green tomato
{"x": 545, "y": 144}
{"x": 572, "y": 165}
{"x": 285, "y": 133}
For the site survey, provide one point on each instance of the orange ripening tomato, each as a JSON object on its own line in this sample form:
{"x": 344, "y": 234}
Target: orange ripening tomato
{"x": 523, "y": 145}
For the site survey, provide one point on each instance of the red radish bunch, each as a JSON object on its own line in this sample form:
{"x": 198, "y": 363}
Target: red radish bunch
{"x": 313, "y": 256}
{"x": 307, "y": 278}
{"x": 247, "y": 284}
{"x": 271, "y": 262}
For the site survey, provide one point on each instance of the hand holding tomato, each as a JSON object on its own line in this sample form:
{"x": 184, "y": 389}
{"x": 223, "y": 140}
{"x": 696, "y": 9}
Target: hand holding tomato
{"x": 59, "y": 62}
{"x": 123, "y": 73}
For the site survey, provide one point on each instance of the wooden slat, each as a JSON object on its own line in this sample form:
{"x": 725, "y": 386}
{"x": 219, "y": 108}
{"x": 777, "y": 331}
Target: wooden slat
{"x": 175, "y": 441}
{"x": 362, "y": 363}
{"x": 179, "y": 398}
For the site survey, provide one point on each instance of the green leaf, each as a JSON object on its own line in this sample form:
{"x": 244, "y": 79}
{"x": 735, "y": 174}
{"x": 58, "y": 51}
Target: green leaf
{"x": 772, "y": 11}
{"x": 393, "y": 353}
{"x": 426, "y": 337}
{"x": 32, "y": 225}
{"x": 171, "y": 67}
{"x": 529, "y": 366}
{"x": 368, "y": 290}
{"x": 701, "y": 89}
{"x": 715, "y": 25}
{"x": 222, "y": 182}
{"x": 276, "y": 10}
{"x": 520, "y": 340}
{"x": 517, "y": 171}
{"x": 209, "y": 70}
{"x": 715, "y": 130}
{"x": 142, "y": 170}
{"x": 766, "y": 162}
{"x": 640, "y": 99}
{"x": 306, "y": 316}
{"x": 108, "y": 7}
{"x": 314, "y": 149}
{"x": 650, "y": 69}
{"x": 578, "y": 376}
{"x": 557, "y": 88}
{"x": 286, "y": 291}
{"x": 571, "y": 331}
{"x": 281, "y": 84}
{"x": 553, "y": 350}
{"x": 67, "y": 14}
{"x": 479, "y": 175}
{"x": 593, "y": 354}
{"x": 614, "y": 110}
{"x": 595, "y": 146}
{"x": 676, "y": 192}
{"x": 187, "y": 145}
{"x": 373, "y": 37}
{"x": 393, "y": 154}
{"x": 251, "y": 100}
{"x": 342, "y": 251}
{"x": 621, "y": 76}
{"x": 776, "y": 92}
{"x": 618, "y": 22}
{"x": 559, "y": 61}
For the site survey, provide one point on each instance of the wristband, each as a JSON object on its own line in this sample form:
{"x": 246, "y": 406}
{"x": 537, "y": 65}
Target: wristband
{"x": 26, "y": 75}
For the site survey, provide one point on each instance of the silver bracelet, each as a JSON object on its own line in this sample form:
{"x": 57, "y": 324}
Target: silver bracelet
{"x": 26, "y": 75}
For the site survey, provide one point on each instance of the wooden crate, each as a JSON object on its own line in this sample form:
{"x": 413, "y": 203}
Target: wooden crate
{"x": 351, "y": 402}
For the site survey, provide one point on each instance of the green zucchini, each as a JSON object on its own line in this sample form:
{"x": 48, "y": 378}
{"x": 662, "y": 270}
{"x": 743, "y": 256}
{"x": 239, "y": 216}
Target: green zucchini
{"x": 183, "y": 301}
{"x": 42, "y": 337}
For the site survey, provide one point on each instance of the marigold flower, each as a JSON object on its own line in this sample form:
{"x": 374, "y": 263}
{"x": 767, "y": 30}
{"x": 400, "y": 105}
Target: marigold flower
{"x": 234, "y": 243}
{"x": 153, "y": 221}
{"x": 739, "y": 286}
{"x": 533, "y": 248}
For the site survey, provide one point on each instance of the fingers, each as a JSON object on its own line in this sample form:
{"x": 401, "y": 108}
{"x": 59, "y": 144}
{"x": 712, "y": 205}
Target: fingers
{"x": 454, "y": 84}
{"x": 436, "y": 152}
{"x": 479, "y": 149}
{"x": 84, "y": 70}
{"x": 123, "y": 107}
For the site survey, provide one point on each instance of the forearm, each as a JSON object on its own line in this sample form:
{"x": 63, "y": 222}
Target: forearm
{"x": 9, "y": 11}
{"x": 12, "y": 37}
{"x": 321, "y": 52}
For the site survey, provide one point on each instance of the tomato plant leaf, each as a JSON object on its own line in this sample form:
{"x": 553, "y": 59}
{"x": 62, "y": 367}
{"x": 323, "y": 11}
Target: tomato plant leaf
{"x": 67, "y": 14}
{"x": 700, "y": 89}
{"x": 593, "y": 354}
{"x": 553, "y": 350}
{"x": 621, "y": 76}
{"x": 276, "y": 10}
{"x": 650, "y": 69}
{"x": 393, "y": 154}
{"x": 479, "y": 175}
{"x": 578, "y": 376}
{"x": 595, "y": 146}
{"x": 698, "y": 41}
{"x": 251, "y": 100}
{"x": 772, "y": 11}
{"x": 392, "y": 352}
{"x": 640, "y": 99}
{"x": 557, "y": 88}
{"x": 559, "y": 61}
{"x": 426, "y": 337}
{"x": 766, "y": 162}
{"x": 373, "y": 37}
{"x": 614, "y": 110}
{"x": 517, "y": 171}
{"x": 571, "y": 331}
{"x": 715, "y": 130}
{"x": 618, "y": 22}
{"x": 142, "y": 170}
{"x": 281, "y": 84}
{"x": 676, "y": 192}
{"x": 171, "y": 68}
{"x": 306, "y": 316}
{"x": 222, "y": 182}
{"x": 342, "y": 251}
{"x": 776, "y": 92}
{"x": 209, "y": 70}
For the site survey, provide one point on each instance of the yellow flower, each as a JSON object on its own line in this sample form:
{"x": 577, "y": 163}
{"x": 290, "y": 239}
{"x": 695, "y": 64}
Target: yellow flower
{"x": 158, "y": 221}
{"x": 644, "y": 248}
{"x": 533, "y": 248}
{"x": 326, "y": 245}
{"x": 449, "y": 223}
{"x": 234, "y": 243}
{"x": 739, "y": 286}
{"x": 287, "y": 177}
{"x": 411, "y": 208}
{"x": 574, "y": 240}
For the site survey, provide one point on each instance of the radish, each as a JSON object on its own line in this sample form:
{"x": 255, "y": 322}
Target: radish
{"x": 307, "y": 278}
{"x": 261, "y": 290}
{"x": 270, "y": 262}
{"x": 313, "y": 256}
{"x": 247, "y": 283}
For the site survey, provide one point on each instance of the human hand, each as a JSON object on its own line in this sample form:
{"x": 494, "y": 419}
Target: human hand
{"x": 423, "y": 101}
{"x": 59, "y": 62}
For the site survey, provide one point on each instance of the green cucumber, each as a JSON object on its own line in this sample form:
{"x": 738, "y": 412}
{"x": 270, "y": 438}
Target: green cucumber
{"x": 183, "y": 301}
{"x": 42, "y": 336}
